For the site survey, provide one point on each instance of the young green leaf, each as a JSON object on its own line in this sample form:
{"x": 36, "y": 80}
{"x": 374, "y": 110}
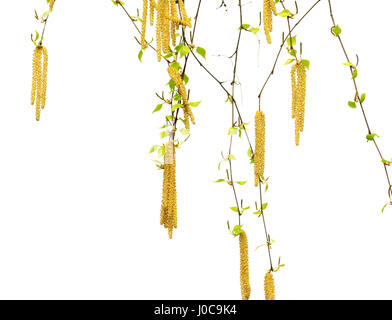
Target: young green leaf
{"x": 201, "y": 51}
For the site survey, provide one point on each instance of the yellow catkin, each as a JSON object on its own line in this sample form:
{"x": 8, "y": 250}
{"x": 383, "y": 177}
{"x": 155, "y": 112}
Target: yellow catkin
{"x": 35, "y": 75}
{"x": 259, "y": 156}
{"x": 269, "y": 286}
{"x": 144, "y": 24}
{"x": 173, "y": 23}
{"x": 184, "y": 15}
{"x": 273, "y": 7}
{"x": 51, "y": 4}
{"x": 38, "y": 98}
{"x": 298, "y": 83}
{"x": 165, "y": 28}
{"x": 244, "y": 267}
{"x": 158, "y": 30}
{"x": 269, "y": 8}
{"x": 293, "y": 89}
{"x": 169, "y": 193}
{"x": 267, "y": 19}
{"x": 44, "y": 76}
{"x": 153, "y": 6}
{"x": 301, "y": 95}
{"x": 179, "y": 82}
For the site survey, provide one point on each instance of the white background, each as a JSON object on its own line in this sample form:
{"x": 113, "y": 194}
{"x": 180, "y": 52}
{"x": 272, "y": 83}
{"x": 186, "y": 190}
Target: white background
{"x": 80, "y": 196}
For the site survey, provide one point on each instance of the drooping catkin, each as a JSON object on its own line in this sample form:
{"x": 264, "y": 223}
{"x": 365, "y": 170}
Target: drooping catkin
{"x": 293, "y": 89}
{"x": 153, "y": 6}
{"x": 259, "y": 156}
{"x": 298, "y": 83}
{"x": 166, "y": 28}
{"x": 269, "y": 8}
{"x": 35, "y": 75}
{"x": 244, "y": 267}
{"x": 179, "y": 82}
{"x": 158, "y": 30}
{"x": 173, "y": 24}
{"x": 169, "y": 193}
{"x": 44, "y": 76}
{"x": 144, "y": 24}
{"x": 185, "y": 19}
{"x": 269, "y": 286}
{"x": 39, "y": 79}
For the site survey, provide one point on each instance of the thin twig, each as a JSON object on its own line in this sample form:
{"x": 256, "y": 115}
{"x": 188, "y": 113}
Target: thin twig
{"x": 361, "y": 103}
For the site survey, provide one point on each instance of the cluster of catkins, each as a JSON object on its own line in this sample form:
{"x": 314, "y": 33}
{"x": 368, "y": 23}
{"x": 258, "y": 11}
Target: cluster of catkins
{"x": 169, "y": 193}
{"x": 269, "y": 8}
{"x": 39, "y": 82}
{"x": 269, "y": 286}
{"x": 169, "y": 17}
{"x": 298, "y": 85}
{"x": 179, "y": 82}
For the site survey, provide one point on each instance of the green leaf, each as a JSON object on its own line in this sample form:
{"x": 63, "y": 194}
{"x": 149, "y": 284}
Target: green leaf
{"x": 194, "y": 104}
{"x": 231, "y": 157}
{"x": 254, "y": 30}
{"x": 305, "y": 63}
{"x": 164, "y": 134}
{"x": 184, "y": 131}
{"x": 245, "y": 26}
{"x": 176, "y": 106}
{"x": 201, "y": 51}
{"x": 154, "y": 148}
{"x": 219, "y": 180}
{"x": 233, "y": 131}
{"x": 363, "y": 97}
{"x": 336, "y": 30}
{"x": 289, "y": 61}
{"x": 264, "y": 206}
{"x": 355, "y": 73}
{"x": 158, "y": 108}
{"x": 237, "y": 230}
{"x": 178, "y": 47}
{"x": 349, "y": 64}
{"x": 140, "y": 55}
{"x": 169, "y": 55}
{"x": 285, "y": 13}
{"x": 352, "y": 104}
{"x": 176, "y": 66}
{"x": 171, "y": 84}
{"x": 235, "y": 209}
{"x": 370, "y": 137}
{"x": 161, "y": 151}
{"x": 241, "y": 183}
{"x": 386, "y": 162}
{"x": 184, "y": 51}
{"x": 291, "y": 41}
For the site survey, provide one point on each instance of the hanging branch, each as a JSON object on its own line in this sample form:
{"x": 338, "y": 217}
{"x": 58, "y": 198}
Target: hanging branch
{"x": 170, "y": 15}
{"x": 40, "y": 64}
{"x": 359, "y": 99}
{"x": 280, "y": 50}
